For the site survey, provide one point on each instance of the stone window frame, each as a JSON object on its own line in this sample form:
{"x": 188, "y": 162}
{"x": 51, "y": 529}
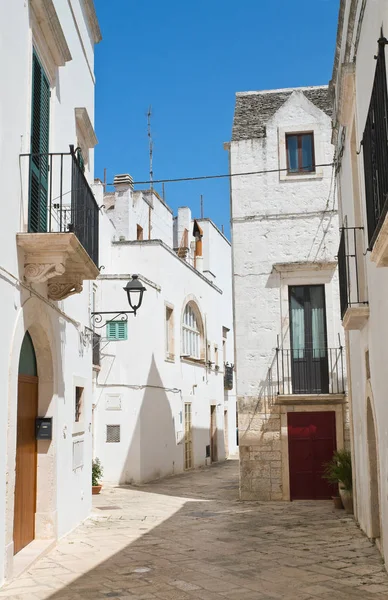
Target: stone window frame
{"x": 78, "y": 427}
{"x": 313, "y": 128}
{"x": 169, "y": 332}
{"x": 308, "y": 273}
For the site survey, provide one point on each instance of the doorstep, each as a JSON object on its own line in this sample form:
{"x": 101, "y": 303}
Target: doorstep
{"x": 24, "y": 559}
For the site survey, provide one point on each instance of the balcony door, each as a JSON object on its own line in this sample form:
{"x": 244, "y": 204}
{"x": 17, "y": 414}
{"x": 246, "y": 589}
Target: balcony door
{"x": 309, "y": 356}
{"x": 39, "y": 164}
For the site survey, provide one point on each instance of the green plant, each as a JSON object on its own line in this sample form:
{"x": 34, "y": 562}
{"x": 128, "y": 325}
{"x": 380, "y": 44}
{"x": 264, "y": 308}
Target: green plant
{"x": 97, "y": 471}
{"x": 339, "y": 469}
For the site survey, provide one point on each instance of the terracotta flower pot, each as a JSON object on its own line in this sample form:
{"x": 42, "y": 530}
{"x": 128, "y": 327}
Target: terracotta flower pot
{"x": 96, "y": 489}
{"x": 337, "y": 502}
{"x": 347, "y": 500}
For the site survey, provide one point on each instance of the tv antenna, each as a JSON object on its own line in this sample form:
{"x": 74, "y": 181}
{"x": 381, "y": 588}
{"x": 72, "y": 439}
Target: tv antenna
{"x": 151, "y": 144}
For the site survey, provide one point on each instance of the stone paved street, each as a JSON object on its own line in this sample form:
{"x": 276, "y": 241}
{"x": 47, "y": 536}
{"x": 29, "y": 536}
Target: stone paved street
{"x": 188, "y": 537}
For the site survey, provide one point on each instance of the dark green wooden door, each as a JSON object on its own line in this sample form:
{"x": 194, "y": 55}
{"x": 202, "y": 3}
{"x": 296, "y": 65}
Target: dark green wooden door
{"x": 39, "y": 164}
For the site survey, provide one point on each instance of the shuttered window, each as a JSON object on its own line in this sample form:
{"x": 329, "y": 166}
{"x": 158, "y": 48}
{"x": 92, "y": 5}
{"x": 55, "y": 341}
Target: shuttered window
{"x": 116, "y": 330}
{"x": 40, "y": 123}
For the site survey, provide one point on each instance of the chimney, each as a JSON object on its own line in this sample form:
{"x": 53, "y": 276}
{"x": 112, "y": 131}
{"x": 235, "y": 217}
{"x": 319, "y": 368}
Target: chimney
{"x": 183, "y": 231}
{"x": 123, "y": 182}
{"x": 123, "y": 185}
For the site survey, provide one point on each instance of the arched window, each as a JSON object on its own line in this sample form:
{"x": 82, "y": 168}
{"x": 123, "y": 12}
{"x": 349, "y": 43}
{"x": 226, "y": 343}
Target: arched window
{"x": 191, "y": 332}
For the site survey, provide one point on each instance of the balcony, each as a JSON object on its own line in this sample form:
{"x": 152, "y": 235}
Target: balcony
{"x": 375, "y": 152}
{"x": 61, "y": 244}
{"x": 354, "y": 305}
{"x": 228, "y": 376}
{"x": 309, "y": 375}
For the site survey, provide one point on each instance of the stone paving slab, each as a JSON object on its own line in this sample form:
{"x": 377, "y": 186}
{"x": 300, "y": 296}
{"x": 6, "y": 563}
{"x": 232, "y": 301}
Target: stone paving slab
{"x": 189, "y": 538}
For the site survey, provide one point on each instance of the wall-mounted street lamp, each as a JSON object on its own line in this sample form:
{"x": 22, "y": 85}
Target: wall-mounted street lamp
{"x": 135, "y": 290}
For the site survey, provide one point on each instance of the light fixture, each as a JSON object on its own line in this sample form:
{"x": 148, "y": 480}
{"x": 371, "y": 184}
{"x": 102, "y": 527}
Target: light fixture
{"x": 135, "y": 290}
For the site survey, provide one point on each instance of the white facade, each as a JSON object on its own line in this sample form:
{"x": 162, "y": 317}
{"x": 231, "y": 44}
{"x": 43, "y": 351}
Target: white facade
{"x": 284, "y": 234}
{"x": 148, "y": 382}
{"x": 359, "y": 79}
{"x": 62, "y": 37}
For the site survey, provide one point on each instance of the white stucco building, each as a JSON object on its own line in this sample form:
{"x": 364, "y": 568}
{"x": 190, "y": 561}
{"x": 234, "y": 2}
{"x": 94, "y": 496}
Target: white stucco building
{"x": 160, "y": 403}
{"x": 49, "y": 239}
{"x": 360, "y": 134}
{"x": 288, "y": 335}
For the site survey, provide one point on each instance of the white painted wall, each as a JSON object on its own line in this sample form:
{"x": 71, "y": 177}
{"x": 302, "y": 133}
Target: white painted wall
{"x": 279, "y": 221}
{"x": 153, "y": 389}
{"x": 374, "y": 333}
{"x": 64, "y": 354}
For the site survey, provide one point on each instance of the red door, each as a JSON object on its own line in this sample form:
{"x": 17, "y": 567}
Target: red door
{"x": 311, "y": 443}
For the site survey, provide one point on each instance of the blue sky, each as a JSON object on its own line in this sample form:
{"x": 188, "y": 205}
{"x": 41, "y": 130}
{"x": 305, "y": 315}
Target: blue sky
{"x": 187, "y": 60}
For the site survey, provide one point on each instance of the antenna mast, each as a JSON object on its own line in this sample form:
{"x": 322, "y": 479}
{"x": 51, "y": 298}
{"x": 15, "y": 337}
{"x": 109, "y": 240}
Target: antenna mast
{"x": 151, "y": 144}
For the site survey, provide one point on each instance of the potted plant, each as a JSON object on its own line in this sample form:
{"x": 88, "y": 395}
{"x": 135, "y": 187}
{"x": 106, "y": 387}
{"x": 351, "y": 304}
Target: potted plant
{"x": 339, "y": 471}
{"x": 97, "y": 472}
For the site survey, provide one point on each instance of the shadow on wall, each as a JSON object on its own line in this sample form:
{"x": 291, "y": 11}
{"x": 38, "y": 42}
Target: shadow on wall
{"x": 154, "y": 451}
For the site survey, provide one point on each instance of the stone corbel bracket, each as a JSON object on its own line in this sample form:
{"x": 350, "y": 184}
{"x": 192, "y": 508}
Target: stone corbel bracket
{"x": 63, "y": 287}
{"x": 59, "y": 259}
{"x": 41, "y": 272}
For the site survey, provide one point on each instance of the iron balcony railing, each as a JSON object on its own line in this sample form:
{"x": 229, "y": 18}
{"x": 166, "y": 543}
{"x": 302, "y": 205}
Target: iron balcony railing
{"x": 228, "y": 376}
{"x": 96, "y": 338}
{"x": 60, "y": 199}
{"x": 352, "y": 291}
{"x": 309, "y": 371}
{"x": 375, "y": 149}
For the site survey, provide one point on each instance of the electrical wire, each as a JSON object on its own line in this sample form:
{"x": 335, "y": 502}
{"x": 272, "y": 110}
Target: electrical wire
{"x": 221, "y": 176}
{"x": 139, "y": 387}
{"x": 38, "y": 295}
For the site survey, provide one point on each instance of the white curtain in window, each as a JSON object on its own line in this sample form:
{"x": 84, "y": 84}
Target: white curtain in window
{"x": 297, "y": 323}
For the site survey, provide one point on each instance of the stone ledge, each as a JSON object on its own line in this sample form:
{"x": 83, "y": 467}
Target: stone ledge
{"x": 355, "y": 317}
{"x": 307, "y": 399}
{"x": 379, "y": 254}
{"x": 58, "y": 257}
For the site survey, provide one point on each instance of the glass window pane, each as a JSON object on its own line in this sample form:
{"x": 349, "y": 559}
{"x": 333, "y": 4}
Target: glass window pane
{"x": 292, "y": 153}
{"x": 307, "y": 153}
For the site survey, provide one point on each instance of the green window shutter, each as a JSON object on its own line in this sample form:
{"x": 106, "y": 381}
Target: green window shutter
{"x": 122, "y": 330}
{"x": 40, "y": 124}
{"x": 116, "y": 330}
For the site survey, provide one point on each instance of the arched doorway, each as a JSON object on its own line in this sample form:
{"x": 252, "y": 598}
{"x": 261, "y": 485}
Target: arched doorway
{"x": 374, "y": 498}
{"x": 26, "y": 447}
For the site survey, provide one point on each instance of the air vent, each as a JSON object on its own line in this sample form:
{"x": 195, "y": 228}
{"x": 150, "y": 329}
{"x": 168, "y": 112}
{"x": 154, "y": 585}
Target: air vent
{"x": 112, "y": 434}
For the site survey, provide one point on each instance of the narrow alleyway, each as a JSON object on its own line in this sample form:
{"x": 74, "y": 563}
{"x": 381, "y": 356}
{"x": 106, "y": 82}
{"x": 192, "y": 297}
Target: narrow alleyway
{"x": 188, "y": 537}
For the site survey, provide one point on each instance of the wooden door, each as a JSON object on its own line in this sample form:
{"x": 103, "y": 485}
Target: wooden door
{"x": 309, "y": 355}
{"x": 188, "y": 438}
{"x": 213, "y": 434}
{"x": 311, "y": 443}
{"x": 26, "y": 462}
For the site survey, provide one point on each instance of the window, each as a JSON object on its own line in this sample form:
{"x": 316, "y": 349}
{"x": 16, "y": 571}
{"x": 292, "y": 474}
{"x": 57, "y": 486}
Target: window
{"x": 79, "y": 393}
{"x": 169, "y": 333}
{"x": 116, "y": 330}
{"x": 40, "y": 125}
{"x": 217, "y": 366}
{"x": 191, "y": 332}
{"x": 113, "y": 434}
{"x": 300, "y": 152}
{"x": 139, "y": 232}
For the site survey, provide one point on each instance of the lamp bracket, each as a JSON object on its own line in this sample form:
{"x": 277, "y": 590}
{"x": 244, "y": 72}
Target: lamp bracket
{"x": 98, "y": 317}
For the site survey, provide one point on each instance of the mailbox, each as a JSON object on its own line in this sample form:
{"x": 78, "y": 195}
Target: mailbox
{"x": 44, "y": 428}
